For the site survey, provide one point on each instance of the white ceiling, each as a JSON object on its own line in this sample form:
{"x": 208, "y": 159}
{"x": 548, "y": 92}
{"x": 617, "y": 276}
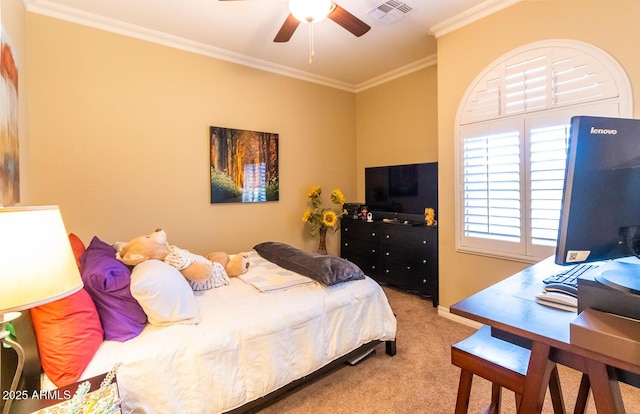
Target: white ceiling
{"x": 242, "y": 31}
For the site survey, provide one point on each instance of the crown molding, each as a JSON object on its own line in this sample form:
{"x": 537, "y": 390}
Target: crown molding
{"x": 69, "y": 14}
{"x": 73, "y": 15}
{"x": 397, "y": 73}
{"x": 471, "y": 15}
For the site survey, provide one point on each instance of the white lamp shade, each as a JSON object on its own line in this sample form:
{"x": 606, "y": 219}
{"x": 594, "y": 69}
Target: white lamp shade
{"x": 37, "y": 264}
{"x": 310, "y": 10}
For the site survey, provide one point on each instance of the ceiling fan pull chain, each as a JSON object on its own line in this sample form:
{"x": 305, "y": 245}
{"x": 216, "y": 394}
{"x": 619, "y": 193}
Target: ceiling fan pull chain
{"x": 311, "y": 51}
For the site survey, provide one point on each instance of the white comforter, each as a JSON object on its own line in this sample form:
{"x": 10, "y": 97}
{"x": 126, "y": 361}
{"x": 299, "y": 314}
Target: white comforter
{"x": 247, "y": 344}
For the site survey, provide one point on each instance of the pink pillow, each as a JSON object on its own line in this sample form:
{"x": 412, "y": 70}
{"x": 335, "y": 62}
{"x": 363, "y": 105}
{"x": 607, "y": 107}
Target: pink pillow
{"x": 77, "y": 246}
{"x": 69, "y": 333}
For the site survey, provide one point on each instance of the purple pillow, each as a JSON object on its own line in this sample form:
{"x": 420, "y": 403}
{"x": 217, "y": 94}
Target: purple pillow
{"x": 107, "y": 280}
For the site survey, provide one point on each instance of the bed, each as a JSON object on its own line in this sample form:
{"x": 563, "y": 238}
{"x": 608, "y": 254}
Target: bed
{"x": 252, "y": 340}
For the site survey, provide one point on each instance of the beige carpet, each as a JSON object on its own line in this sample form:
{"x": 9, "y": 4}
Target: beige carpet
{"x": 419, "y": 379}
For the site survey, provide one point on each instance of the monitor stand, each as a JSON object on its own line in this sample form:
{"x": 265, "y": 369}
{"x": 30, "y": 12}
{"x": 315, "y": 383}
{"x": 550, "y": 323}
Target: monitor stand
{"x": 622, "y": 276}
{"x": 613, "y": 287}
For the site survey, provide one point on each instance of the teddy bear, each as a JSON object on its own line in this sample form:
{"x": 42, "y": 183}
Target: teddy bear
{"x": 201, "y": 273}
{"x": 234, "y": 266}
{"x": 430, "y": 216}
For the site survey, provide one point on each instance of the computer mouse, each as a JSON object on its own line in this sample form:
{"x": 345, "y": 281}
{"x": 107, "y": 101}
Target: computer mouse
{"x": 549, "y": 298}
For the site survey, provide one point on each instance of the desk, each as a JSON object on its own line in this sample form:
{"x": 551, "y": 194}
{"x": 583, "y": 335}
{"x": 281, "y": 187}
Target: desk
{"x": 510, "y": 306}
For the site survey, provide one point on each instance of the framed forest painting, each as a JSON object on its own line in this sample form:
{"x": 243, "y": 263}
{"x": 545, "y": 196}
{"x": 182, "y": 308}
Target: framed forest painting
{"x": 244, "y": 166}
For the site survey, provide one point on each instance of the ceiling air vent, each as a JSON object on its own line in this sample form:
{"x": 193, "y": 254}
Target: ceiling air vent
{"x": 390, "y": 11}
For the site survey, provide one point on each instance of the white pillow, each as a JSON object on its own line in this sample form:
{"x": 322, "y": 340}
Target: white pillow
{"x": 163, "y": 293}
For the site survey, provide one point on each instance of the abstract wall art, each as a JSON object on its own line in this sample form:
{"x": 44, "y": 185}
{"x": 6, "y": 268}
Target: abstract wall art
{"x": 244, "y": 166}
{"x": 9, "y": 149}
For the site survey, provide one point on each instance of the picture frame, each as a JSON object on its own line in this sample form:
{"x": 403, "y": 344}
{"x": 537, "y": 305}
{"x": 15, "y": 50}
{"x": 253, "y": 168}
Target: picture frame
{"x": 9, "y": 141}
{"x": 243, "y": 166}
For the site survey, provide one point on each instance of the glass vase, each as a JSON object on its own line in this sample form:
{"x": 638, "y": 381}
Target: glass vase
{"x": 322, "y": 247}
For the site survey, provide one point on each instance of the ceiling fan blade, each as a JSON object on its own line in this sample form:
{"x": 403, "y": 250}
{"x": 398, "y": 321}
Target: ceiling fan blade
{"x": 286, "y": 31}
{"x": 349, "y": 21}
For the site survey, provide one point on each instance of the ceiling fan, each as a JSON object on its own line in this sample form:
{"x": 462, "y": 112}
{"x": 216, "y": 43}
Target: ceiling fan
{"x": 312, "y": 11}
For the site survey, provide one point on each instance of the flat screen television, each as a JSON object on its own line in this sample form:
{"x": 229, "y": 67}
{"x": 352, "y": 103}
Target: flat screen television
{"x": 407, "y": 189}
{"x": 600, "y": 213}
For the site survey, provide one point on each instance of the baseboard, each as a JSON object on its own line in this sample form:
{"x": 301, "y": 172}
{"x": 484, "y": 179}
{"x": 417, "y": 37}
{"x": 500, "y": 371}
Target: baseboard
{"x": 444, "y": 312}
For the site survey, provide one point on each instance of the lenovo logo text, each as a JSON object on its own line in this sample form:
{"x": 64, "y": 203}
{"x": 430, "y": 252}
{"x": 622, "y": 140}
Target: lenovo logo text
{"x": 603, "y": 131}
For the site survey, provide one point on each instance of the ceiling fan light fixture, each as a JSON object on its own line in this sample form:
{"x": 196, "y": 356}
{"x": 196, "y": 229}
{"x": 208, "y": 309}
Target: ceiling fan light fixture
{"x": 310, "y": 11}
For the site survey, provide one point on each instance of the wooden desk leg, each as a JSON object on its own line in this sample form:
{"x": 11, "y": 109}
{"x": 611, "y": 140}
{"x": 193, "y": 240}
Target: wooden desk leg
{"x": 583, "y": 395}
{"x": 538, "y": 374}
{"x": 605, "y": 388}
{"x": 555, "y": 390}
{"x": 496, "y": 399}
{"x": 464, "y": 391}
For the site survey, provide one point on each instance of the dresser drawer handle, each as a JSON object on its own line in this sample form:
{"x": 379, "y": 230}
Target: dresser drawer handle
{"x": 387, "y": 254}
{"x": 373, "y": 234}
{"x": 346, "y": 243}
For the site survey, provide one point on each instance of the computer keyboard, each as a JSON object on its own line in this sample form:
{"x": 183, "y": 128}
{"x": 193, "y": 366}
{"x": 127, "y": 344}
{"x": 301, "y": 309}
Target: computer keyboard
{"x": 561, "y": 289}
{"x": 570, "y": 276}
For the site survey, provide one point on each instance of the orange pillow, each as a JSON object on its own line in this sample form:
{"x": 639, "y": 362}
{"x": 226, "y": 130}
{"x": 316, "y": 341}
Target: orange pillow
{"x": 77, "y": 246}
{"x": 68, "y": 331}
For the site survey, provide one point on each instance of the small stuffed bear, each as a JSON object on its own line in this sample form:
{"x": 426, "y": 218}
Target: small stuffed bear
{"x": 235, "y": 266}
{"x": 200, "y": 272}
{"x": 430, "y": 216}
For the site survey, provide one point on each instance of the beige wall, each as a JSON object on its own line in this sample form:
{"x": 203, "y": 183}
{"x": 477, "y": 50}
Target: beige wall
{"x": 397, "y": 123}
{"x": 463, "y": 54}
{"x": 119, "y": 139}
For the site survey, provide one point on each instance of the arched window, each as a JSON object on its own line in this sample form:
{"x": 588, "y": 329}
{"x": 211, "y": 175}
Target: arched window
{"x": 512, "y": 128}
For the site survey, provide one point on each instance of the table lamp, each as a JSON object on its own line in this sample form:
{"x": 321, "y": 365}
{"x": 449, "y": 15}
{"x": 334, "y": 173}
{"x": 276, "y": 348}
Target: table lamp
{"x": 37, "y": 266}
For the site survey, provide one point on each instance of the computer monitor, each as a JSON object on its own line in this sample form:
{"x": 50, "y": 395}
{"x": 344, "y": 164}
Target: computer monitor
{"x": 600, "y": 213}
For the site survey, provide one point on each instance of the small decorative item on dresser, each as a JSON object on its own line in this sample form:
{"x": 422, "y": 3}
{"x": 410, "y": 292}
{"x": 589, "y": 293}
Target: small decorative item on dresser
{"x": 363, "y": 213}
{"x": 352, "y": 210}
{"x": 321, "y": 218}
{"x": 430, "y": 217}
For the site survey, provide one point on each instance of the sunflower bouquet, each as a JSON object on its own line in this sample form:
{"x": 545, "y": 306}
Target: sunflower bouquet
{"x": 321, "y": 218}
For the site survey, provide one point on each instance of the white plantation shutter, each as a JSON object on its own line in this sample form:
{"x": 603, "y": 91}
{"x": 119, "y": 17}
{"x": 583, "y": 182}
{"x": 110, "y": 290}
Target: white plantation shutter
{"x": 492, "y": 186}
{"x": 513, "y": 127}
{"x": 526, "y": 83}
{"x": 578, "y": 77}
{"x": 548, "y": 148}
{"x": 484, "y": 102}
{"x": 538, "y": 79}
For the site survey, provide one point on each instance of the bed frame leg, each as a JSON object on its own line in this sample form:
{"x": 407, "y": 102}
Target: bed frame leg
{"x": 390, "y": 347}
